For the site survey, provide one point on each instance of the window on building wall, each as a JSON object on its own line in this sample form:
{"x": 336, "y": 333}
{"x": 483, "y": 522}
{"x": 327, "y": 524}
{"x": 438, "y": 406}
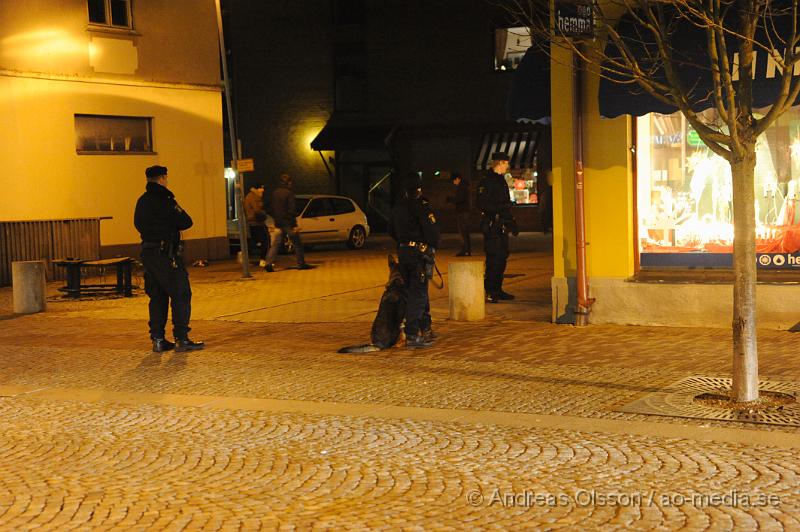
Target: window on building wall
{"x": 685, "y": 196}
{"x": 113, "y": 135}
{"x": 350, "y": 71}
{"x": 510, "y": 44}
{"x": 112, "y": 13}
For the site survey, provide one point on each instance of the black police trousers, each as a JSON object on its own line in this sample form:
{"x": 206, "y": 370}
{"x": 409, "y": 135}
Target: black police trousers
{"x": 167, "y": 286}
{"x": 417, "y": 308}
{"x": 496, "y": 248}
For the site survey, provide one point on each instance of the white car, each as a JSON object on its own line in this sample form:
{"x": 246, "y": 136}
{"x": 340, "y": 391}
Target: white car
{"x": 322, "y": 219}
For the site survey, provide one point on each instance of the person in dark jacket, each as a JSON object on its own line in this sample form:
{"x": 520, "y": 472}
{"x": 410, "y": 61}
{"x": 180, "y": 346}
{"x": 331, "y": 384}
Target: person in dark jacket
{"x": 160, "y": 220}
{"x": 285, "y": 216}
{"x": 413, "y": 226}
{"x": 497, "y": 221}
{"x": 256, "y": 216}
{"x": 462, "y": 206}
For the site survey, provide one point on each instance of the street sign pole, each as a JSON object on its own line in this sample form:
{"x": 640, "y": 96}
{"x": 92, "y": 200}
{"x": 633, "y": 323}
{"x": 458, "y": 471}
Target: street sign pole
{"x": 239, "y": 188}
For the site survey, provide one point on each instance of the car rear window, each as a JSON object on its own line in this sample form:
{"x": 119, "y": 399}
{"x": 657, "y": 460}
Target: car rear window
{"x": 299, "y": 205}
{"x": 342, "y": 206}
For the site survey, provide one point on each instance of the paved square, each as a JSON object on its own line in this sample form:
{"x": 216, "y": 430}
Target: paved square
{"x": 509, "y": 423}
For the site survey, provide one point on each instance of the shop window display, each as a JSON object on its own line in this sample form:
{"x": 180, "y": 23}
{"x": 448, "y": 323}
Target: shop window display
{"x": 685, "y": 200}
{"x": 522, "y": 187}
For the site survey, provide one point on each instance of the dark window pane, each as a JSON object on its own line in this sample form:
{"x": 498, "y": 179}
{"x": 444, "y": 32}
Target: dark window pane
{"x": 119, "y": 13}
{"x": 318, "y": 207}
{"x": 97, "y": 11}
{"x": 346, "y": 12}
{"x": 342, "y": 206}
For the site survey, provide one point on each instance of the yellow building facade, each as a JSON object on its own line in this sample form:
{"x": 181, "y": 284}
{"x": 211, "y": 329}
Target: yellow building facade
{"x": 91, "y": 94}
{"x": 623, "y": 292}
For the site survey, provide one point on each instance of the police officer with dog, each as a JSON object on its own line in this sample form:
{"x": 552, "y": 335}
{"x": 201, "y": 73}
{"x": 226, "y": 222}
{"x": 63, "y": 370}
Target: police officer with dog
{"x": 413, "y": 226}
{"x": 160, "y": 220}
{"x": 497, "y": 221}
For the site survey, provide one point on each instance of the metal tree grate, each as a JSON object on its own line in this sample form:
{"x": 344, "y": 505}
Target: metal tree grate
{"x": 678, "y": 401}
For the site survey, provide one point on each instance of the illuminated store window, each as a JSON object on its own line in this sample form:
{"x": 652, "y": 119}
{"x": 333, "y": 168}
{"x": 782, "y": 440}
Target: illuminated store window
{"x": 113, "y": 135}
{"x": 522, "y": 186}
{"x": 113, "y": 13}
{"x": 685, "y": 200}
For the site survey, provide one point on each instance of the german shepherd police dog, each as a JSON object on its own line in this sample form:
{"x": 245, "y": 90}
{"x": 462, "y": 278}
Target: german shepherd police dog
{"x": 387, "y": 327}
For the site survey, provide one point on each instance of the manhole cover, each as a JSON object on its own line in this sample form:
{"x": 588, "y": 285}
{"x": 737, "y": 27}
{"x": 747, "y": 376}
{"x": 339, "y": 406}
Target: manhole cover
{"x": 678, "y": 401}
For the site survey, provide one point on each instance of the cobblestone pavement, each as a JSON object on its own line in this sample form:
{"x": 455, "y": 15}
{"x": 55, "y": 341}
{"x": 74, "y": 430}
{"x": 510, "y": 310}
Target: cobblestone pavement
{"x": 98, "y": 432}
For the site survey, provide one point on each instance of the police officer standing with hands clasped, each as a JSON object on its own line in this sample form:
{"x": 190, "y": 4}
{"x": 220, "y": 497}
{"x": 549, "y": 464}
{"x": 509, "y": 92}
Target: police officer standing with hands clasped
{"x": 413, "y": 226}
{"x": 494, "y": 203}
{"x": 159, "y": 219}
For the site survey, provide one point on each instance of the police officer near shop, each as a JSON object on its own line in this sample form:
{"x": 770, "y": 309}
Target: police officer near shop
{"x": 494, "y": 203}
{"x": 413, "y": 226}
{"x": 160, "y": 220}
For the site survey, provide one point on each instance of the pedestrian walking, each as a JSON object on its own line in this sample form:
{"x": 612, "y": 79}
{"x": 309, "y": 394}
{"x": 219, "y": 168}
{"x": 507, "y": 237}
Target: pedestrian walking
{"x": 283, "y": 212}
{"x": 256, "y": 217}
{"x": 462, "y": 208}
{"x": 494, "y": 202}
{"x": 413, "y": 226}
{"x": 160, "y": 220}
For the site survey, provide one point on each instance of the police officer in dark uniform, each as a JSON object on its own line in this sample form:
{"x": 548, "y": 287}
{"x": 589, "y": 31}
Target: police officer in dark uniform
{"x": 413, "y": 225}
{"x": 159, "y": 219}
{"x": 494, "y": 203}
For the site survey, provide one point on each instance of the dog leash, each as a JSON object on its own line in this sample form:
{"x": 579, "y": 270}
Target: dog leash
{"x": 441, "y": 279}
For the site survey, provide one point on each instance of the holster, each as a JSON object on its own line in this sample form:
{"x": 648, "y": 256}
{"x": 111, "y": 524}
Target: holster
{"x": 427, "y": 255}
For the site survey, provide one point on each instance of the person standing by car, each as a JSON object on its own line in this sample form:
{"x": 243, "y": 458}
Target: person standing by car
{"x": 413, "y": 226}
{"x": 494, "y": 203}
{"x": 285, "y": 216}
{"x": 160, "y": 220}
{"x": 461, "y": 202}
{"x": 256, "y": 218}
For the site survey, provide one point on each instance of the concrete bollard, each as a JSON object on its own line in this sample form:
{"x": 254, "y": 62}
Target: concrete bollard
{"x": 28, "y": 280}
{"x": 467, "y": 298}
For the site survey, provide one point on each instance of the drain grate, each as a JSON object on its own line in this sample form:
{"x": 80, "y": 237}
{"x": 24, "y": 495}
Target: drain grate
{"x": 678, "y": 401}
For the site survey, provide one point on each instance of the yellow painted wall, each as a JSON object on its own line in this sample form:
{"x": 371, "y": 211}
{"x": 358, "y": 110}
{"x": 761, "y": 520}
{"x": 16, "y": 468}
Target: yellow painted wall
{"x": 44, "y": 178}
{"x": 608, "y": 183}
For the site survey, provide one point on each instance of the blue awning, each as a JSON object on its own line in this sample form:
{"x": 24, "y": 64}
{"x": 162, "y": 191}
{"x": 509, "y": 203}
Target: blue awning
{"x": 691, "y": 55}
{"x": 529, "y": 96}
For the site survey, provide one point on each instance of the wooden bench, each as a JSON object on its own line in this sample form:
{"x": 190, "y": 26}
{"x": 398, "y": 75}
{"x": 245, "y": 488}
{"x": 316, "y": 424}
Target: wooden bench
{"x": 74, "y": 288}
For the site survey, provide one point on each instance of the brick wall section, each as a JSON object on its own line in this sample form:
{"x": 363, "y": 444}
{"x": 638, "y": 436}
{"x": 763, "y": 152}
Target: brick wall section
{"x": 282, "y": 67}
{"x": 430, "y": 70}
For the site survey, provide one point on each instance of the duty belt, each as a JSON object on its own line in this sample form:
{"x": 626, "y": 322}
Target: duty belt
{"x": 422, "y": 246}
{"x": 153, "y": 245}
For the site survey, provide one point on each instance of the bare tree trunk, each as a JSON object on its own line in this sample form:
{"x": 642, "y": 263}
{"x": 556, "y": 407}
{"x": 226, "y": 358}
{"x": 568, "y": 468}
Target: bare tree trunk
{"x": 745, "y": 351}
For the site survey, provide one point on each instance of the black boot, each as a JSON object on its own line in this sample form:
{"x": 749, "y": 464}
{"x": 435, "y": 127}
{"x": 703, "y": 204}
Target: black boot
{"x": 187, "y": 345}
{"x": 417, "y": 342}
{"x": 162, "y": 344}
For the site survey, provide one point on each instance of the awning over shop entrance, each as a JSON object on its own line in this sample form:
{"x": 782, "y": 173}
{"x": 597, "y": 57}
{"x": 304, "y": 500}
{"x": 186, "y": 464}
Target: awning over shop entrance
{"x": 520, "y": 147}
{"x": 690, "y": 50}
{"x": 529, "y": 96}
{"x": 352, "y": 137}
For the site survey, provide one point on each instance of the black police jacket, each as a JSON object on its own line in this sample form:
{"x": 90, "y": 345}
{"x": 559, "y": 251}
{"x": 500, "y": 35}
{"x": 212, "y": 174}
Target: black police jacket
{"x": 493, "y": 199}
{"x": 158, "y": 217}
{"x": 413, "y": 221}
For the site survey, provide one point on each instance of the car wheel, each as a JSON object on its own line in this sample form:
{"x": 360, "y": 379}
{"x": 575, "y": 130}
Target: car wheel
{"x": 357, "y": 238}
